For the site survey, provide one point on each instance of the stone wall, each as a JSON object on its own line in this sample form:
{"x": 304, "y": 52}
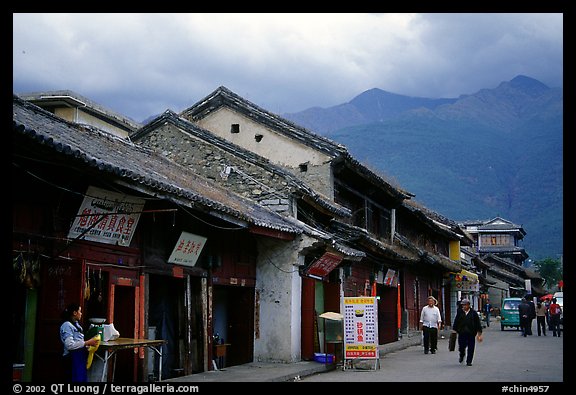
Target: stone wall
{"x": 226, "y": 169}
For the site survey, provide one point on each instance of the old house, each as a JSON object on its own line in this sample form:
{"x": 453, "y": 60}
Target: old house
{"x": 98, "y": 219}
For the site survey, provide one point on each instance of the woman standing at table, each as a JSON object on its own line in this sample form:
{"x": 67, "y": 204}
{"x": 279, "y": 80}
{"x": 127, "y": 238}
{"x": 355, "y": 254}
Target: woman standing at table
{"x": 75, "y": 348}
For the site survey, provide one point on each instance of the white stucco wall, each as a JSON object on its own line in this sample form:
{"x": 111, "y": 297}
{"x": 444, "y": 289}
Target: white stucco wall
{"x": 78, "y": 116}
{"x": 278, "y": 148}
{"x": 279, "y": 288}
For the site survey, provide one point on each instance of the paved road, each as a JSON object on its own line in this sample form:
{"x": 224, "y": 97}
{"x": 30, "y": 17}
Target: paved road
{"x": 502, "y": 357}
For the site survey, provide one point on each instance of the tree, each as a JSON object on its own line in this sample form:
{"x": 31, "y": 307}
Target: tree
{"x": 550, "y": 269}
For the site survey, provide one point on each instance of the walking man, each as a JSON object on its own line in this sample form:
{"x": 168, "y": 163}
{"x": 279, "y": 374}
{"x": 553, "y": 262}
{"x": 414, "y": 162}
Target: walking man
{"x": 430, "y": 320}
{"x": 468, "y": 326}
{"x": 487, "y": 311}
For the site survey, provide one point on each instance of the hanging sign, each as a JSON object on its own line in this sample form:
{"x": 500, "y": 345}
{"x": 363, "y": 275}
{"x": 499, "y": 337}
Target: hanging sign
{"x": 390, "y": 276}
{"x": 187, "y": 249}
{"x": 465, "y": 281}
{"x": 324, "y": 265}
{"x": 360, "y": 327}
{"x": 107, "y": 217}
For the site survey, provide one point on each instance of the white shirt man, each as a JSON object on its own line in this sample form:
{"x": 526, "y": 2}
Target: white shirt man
{"x": 430, "y": 319}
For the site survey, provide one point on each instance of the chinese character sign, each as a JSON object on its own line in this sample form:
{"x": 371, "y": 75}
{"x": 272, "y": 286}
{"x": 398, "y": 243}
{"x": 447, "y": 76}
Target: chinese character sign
{"x": 187, "y": 249}
{"x": 361, "y": 327}
{"x": 107, "y": 217}
{"x": 324, "y": 265}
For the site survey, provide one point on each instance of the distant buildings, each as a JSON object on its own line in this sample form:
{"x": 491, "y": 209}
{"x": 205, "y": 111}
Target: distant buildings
{"x": 501, "y": 259}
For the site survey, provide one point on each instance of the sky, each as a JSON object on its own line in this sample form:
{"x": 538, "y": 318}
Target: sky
{"x": 139, "y": 65}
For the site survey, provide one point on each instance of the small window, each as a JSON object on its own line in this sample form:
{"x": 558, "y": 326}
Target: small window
{"x": 258, "y": 138}
{"x": 303, "y": 167}
{"x": 235, "y": 128}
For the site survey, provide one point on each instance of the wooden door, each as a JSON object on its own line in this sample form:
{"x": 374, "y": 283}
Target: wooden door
{"x": 307, "y": 319}
{"x": 387, "y": 314}
{"x": 62, "y": 282}
{"x": 124, "y": 322}
{"x": 240, "y": 325}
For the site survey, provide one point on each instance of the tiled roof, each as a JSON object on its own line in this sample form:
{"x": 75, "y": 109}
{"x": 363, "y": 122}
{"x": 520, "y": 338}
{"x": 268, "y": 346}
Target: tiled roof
{"x": 145, "y": 169}
{"x": 437, "y": 222}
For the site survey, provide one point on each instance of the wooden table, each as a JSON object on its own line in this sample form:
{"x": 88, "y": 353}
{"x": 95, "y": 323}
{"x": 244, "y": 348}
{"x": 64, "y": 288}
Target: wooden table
{"x": 111, "y": 347}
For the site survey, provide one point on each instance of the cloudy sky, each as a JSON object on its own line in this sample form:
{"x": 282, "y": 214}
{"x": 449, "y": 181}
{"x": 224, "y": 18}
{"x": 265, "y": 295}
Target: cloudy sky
{"x": 142, "y": 64}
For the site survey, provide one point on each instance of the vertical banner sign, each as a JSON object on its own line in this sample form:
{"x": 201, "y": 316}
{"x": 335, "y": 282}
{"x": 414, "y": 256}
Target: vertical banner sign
{"x": 360, "y": 327}
{"x": 528, "y": 285}
{"x": 389, "y": 280}
{"x": 187, "y": 249}
{"x": 107, "y": 217}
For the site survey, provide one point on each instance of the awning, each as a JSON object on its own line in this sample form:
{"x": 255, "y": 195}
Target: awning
{"x": 330, "y": 315}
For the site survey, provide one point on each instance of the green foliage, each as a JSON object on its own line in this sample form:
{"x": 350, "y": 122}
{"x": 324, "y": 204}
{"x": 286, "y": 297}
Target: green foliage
{"x": 551, "y": 270}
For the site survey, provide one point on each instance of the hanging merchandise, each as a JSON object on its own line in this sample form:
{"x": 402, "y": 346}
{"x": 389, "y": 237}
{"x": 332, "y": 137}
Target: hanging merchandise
{"x": 87, "y": 285}
{"x": 99, "y": 286}
{"x": 26, "y": 266}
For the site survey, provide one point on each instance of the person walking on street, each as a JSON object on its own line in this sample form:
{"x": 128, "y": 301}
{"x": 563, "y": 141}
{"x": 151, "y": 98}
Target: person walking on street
{"x": 487, "y": 311}
{"x": 555, "y": 311}
{"x": 430, "y": 319}
{"x": 524, "y": 314}
{"x": 541, "y": 312}
{"x": 547, "y": 303}
{"x": 469, "y": 328}
{"x": 532, "y": 315}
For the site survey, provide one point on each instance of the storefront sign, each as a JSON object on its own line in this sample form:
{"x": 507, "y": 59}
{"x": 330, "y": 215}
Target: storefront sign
{"x": 360, "y": 327}
{"x": 187, "y": 249}
{"x": 465, "y": 281}
{"x": 324, "y": 265}
{"x": 107, "y": 217}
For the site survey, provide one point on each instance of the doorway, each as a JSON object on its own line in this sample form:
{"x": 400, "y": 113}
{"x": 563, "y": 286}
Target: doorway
{"x": 124, "y": 321}
{"x": 233, "y": 321}
{"x": 387, "y": 314}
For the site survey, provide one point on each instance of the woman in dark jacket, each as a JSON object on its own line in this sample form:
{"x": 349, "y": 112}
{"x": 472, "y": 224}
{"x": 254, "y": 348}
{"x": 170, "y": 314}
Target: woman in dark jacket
{"x": 467, "y": 325}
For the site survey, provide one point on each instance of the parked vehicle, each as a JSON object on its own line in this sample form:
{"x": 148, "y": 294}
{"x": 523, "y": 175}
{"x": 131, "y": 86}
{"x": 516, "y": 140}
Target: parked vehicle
{"x": 509, "y": 315}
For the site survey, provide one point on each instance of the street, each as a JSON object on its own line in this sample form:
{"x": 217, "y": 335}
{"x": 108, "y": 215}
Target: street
{"x": 502, "y": 357}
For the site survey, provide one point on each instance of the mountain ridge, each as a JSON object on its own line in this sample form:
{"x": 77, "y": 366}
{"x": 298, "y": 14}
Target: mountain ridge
{"x": 496, "y": 152}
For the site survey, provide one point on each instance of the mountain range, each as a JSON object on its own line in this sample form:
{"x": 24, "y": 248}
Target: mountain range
{"x": 497, "y": 152}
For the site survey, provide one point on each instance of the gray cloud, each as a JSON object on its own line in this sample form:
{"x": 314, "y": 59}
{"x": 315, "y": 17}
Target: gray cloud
{"x": 141, "y": 64}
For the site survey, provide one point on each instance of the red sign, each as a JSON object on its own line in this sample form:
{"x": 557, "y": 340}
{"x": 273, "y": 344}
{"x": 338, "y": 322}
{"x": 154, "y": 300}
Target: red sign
{"x": 324, "y": 265}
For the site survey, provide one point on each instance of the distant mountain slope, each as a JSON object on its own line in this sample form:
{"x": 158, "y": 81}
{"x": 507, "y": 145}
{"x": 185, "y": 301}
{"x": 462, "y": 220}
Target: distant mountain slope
{"x": 496, "y": 152}
{"x": 374, "y": 105}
